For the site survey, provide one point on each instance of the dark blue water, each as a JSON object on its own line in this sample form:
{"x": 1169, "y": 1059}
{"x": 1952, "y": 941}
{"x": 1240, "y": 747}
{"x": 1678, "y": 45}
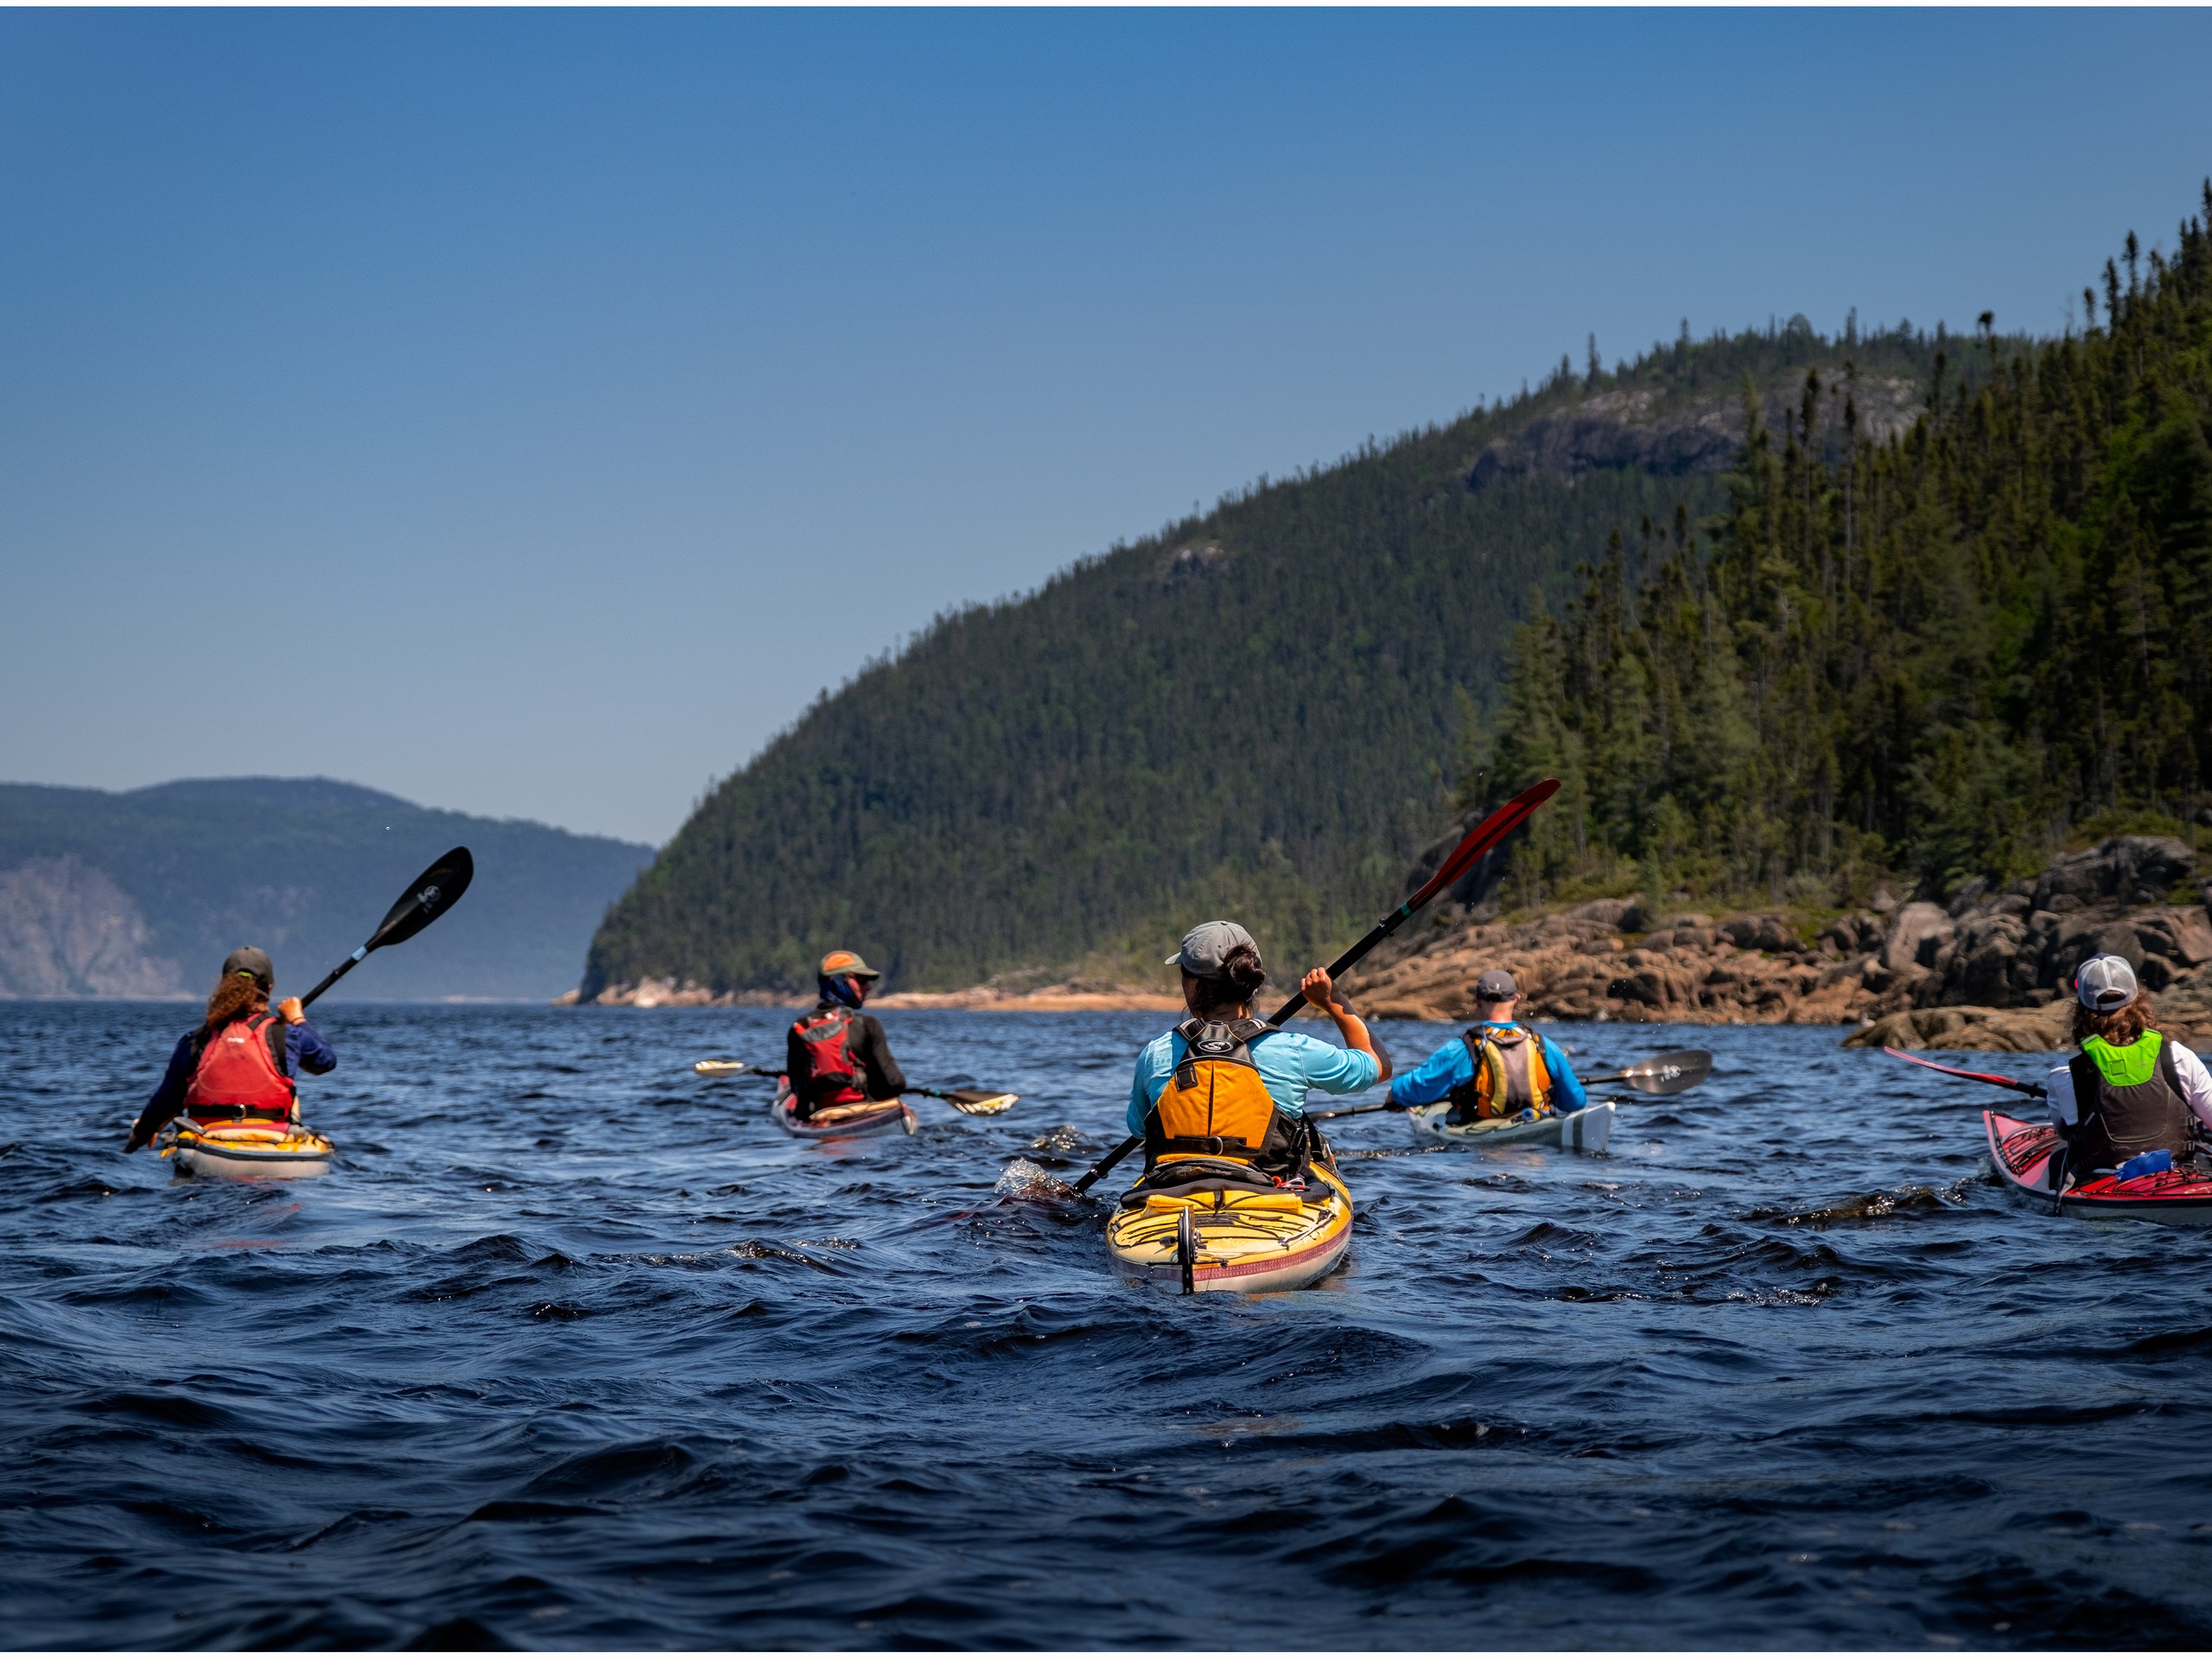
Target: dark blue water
{"x": 574, "y": 1349}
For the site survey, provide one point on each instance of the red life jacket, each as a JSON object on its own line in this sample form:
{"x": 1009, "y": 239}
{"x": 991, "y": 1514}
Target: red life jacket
{"x": 833, "y": 1077}
{"x": 238, "y": 1068}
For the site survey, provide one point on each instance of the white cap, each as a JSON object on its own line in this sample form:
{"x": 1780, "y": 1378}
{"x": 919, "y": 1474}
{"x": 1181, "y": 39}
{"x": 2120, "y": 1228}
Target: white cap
{"x": 2104, "y": 983}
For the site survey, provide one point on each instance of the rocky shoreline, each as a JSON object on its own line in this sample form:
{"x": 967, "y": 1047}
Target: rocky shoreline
{"x": 1986, "y": 971}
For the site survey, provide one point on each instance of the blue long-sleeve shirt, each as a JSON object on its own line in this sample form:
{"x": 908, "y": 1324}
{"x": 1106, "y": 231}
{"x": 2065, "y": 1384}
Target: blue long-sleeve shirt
{"x": 1451, "y": 1065}
{"x": 304, "y": 1050}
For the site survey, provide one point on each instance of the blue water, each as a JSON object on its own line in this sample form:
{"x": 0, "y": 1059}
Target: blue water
{"x": 575, "y": 1348}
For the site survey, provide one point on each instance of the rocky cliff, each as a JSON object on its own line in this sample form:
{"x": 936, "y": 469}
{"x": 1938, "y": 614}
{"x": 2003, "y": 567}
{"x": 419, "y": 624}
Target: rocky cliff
{"x": 1987, "y": 970}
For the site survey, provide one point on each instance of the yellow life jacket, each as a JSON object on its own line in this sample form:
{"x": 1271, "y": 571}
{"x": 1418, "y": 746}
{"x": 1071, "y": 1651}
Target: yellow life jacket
{"x": 1510, "y": 1075}
{"x": 1215, "y": 1105}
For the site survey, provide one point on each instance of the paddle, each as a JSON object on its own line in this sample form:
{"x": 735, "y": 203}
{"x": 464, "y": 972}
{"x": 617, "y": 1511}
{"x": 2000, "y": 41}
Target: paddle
{"x": 975, "y": 1103}
{"x": 1663, "y": 1074}
{"x": 1479, "y": 840}
{"x": 2035, "y": 1090}
{"x": 432, "y": 894}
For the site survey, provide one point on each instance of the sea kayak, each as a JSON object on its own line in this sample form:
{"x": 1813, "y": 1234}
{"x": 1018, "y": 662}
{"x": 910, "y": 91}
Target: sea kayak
{"x": 1588, "y": 1130}
{"x": 2020, "y": 1152}
{"x": 249, "y": 1152}
{"x": 1226, "y": 1237}
{"x": 862, "y": 1117}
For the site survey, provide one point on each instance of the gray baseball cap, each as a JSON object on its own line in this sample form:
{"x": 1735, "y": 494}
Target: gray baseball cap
{"x": 1495, "y": 986}
{"x": 2104, "y": 983}
{"x": 248, "y": 960}
{"x": 1207, "y": 946}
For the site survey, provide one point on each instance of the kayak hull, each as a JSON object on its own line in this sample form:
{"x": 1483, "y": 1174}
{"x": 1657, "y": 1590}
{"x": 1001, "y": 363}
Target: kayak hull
{"x": 1249, "y": 1242}
{"x": 246, "y": 1151}
{"x": 2020, "y": 1152}
{"x": 1588, "y": 1130}
{"x": 842, "y": 1122}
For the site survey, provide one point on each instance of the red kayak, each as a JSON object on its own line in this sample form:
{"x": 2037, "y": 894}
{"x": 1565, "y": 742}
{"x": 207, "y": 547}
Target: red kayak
{"x": 2021, "y": 1150}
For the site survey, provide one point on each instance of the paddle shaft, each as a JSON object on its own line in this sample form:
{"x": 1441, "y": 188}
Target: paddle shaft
{"x": 2033, "y": 1090}
{"x": 1484, "y": 836}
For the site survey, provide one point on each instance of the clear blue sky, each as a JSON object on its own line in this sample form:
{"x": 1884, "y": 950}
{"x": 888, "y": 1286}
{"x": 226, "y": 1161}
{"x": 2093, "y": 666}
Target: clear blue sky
{"x": 530, "y": 413}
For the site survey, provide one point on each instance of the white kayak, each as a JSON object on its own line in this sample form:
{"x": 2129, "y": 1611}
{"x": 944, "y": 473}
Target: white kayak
{"x": 1588, "y": 1130}
{"x": 248, "y": 1152}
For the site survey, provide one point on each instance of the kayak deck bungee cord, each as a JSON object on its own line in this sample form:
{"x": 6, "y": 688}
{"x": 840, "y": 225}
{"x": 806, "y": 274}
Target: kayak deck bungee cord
{"x": 252, "y": 1152}
{"x": 2020, "y": 1152}
{"x": 1231, "y": 1239}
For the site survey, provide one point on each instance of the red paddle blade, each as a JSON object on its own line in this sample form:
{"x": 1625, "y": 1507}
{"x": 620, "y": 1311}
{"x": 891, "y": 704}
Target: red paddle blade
{"x": 1484, "y": 837}
{"x": 2001, "y": 1082}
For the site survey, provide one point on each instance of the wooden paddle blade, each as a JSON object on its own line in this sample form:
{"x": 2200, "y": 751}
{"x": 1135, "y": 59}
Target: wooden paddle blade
{"x": 1670, "y": 1073}
{"x": 976, "y": 1102}
{"x": 434, "y": 893}
{"x": 723, "y": 1068}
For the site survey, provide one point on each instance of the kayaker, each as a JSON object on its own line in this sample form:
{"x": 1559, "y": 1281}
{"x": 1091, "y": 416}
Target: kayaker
{"x": 1223, "y": 1085}
{"x": 2130, "y": 1090}
{"x": 241, "y": 1061}
{"x": 836, "y": 1055}
{"x": 1498, "y": 1069}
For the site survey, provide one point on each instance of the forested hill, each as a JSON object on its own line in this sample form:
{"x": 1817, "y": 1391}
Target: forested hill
{"x": 142, "y": 893}
{"x": 1952, "y": 655}
{"x": 1254, "y": 711}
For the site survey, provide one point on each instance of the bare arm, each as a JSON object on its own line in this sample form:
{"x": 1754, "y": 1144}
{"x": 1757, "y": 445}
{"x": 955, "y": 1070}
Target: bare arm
{"x": 1321, "y": 991}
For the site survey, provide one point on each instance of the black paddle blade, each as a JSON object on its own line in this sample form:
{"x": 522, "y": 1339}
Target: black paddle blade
{"x": 434, "y": 893}
{"x": 1670, "y": 1073}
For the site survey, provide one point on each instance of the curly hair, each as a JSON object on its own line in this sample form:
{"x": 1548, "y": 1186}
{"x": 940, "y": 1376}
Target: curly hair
{"x": 2119, "y": 1027}
{"x": 238, "y": 994}
{"x": 1242, "y": 975}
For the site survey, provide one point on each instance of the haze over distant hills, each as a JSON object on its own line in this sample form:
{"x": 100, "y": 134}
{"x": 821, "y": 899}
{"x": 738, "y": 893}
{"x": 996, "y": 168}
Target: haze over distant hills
{"x": 142, "y": 893}
{"x": 1260, "y": 709}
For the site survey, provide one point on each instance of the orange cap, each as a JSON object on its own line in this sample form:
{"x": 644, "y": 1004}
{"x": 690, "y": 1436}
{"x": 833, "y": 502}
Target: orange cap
{"x": 847, "y": 964}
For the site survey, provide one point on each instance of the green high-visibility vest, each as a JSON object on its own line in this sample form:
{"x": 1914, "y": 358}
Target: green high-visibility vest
{"x": 2125, "y": 1068}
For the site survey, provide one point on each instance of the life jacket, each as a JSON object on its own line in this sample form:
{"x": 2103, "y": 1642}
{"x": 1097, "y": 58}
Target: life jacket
{"x": 240, "y": 1073}
{"x": 1510, "y": 1075}
{"x": 1216, "y": 1108}
{"x": 833, "y": 1077}
{"x": 2126, "y": 1100}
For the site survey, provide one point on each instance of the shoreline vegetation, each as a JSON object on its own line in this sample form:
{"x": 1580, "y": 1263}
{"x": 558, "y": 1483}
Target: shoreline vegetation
{"x": 1909, "y": 713}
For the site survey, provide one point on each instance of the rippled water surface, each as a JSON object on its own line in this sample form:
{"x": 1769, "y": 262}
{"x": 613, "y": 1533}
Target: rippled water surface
{"x": 574, "y": 1348}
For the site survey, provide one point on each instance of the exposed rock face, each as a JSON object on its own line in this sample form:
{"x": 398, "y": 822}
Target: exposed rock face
{"x": 1989, "y": 970}
{"x": 66, "y": 930}
{"x": 1639, "y": 428}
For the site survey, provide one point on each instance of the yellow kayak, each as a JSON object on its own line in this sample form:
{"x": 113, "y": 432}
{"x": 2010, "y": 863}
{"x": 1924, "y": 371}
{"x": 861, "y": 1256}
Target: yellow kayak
{"x": 252, "y": 1152}
{"x": 1233, "y": 1240}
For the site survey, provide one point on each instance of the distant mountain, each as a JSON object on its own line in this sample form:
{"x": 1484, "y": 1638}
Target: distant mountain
{"x": 1260, "y": 711}
{"x": 143, "y": 894}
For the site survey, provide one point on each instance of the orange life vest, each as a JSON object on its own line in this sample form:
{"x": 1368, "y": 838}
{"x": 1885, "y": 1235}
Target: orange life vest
{"x": 239, "y": 1074}
{"x": 833, "y": 1077}
{"x": 1215, "y": 1105}
{"x": 1510, "y": 1075}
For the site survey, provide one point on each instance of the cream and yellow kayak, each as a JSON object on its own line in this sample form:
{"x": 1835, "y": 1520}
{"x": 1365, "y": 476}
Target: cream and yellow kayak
{"x": 1230, "y": 1239}
{"x": 250, "y": 1152}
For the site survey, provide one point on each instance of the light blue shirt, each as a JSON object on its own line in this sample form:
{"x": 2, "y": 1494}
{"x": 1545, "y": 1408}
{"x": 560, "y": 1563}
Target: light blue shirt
{"x": 1451, "y": 1065}
{"x": 1290, "y": 1064}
